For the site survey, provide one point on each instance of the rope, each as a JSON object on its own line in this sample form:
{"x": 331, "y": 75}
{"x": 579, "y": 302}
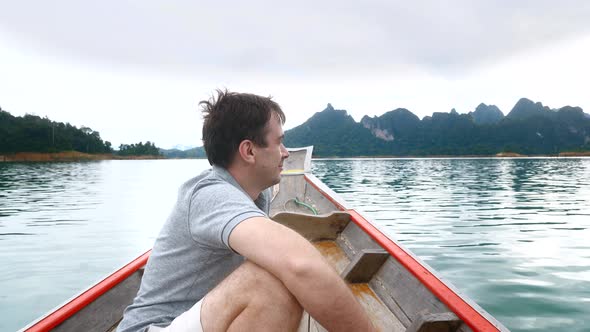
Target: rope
{"x": 298, "y": 202}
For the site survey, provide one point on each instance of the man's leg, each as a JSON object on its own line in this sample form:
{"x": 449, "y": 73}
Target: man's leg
{"x": 250, "y": 299}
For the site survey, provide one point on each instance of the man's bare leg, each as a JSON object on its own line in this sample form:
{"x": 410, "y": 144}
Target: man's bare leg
{"x": 250, "y": 299}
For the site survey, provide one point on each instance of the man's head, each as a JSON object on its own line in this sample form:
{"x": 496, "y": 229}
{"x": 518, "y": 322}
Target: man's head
{"x": 231, "y": 118}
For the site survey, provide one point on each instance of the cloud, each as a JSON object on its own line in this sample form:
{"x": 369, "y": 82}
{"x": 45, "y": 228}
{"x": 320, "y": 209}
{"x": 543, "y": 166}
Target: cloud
{"x": 134, "y": 70}
{"x": 296, "y": 38}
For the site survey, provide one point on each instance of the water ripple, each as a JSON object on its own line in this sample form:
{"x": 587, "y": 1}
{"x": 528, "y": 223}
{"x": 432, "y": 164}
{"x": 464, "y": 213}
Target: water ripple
{"x": 88, "y": 220}
{"x": 511, "y": 233}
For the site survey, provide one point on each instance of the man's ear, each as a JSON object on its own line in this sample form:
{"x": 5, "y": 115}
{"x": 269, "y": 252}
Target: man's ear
{"x": 246, "y": 151}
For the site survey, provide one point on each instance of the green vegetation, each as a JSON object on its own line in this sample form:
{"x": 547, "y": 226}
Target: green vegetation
{"x": 198, "y": 152}
{"x": 31, "y": 133}
{"x": 139, "y": 149}
{"x": 334, "y": 133}
{"x": 529, "y": 129}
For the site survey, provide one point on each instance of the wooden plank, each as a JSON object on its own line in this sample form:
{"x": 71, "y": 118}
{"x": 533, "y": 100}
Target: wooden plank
{"x": 365, "y": 264}
{"x": 107, "y": 310}
{"x": 333, "y": 254}
{"x": 398, "y": 289}
{"x": 355, "y": 239}
{"x": 389, "y": 301}
{"x": 297, "y": 160}
{"x": 114, "y": 327}
{"x": 321, "y": 202}
{"x": 290, "y": 187}
{"x": 314, "y": 228}
{"x": 403, "y": 293}
{"x": 439, "y": 322}
{"x": 379, "y": 314}
{"x": 465, "y": 328}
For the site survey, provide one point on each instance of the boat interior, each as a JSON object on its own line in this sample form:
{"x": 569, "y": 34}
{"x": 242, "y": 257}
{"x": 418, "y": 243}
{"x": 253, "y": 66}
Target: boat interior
{"x": 393, "y": 297}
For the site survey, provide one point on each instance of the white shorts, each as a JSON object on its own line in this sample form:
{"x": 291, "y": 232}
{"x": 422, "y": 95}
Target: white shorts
{"x": 190, "y": 320}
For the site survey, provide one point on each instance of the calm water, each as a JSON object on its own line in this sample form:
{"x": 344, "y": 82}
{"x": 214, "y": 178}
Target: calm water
{"x": 513, "y": 234}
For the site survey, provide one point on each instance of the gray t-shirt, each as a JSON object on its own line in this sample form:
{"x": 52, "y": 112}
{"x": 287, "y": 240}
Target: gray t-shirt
{"x": 191, "y": 254}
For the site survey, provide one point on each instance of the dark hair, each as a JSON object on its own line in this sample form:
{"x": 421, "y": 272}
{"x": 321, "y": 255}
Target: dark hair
{"x": 231, "y": 118}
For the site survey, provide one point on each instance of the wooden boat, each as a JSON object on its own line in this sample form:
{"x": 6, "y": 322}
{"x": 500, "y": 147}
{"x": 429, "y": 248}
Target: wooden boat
{"x": 398, "y": 291}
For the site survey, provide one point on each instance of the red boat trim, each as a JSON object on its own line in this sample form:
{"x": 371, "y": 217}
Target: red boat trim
{"x": 69, "y": 309}
{"x": 462, "y": 309}
{"x": 326, "y": 195}
{"x": 475, "y": 320}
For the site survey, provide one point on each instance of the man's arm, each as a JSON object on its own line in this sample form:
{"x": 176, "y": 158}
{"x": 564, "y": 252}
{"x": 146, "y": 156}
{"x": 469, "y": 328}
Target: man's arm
{"x": 302, "y": 269}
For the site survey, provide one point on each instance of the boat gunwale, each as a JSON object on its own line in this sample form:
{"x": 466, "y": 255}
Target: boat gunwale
{"x": 466, "y": 311}
{"x": 83, "y": 299}
{"x": 478, "y": 321}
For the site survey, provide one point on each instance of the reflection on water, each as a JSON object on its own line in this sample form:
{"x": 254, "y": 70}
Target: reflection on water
{"x": 65, "y": 226}
{"x": 511, "y": 233}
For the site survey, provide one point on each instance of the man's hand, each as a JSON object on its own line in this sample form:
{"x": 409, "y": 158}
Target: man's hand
{"x": 302, "y": 269}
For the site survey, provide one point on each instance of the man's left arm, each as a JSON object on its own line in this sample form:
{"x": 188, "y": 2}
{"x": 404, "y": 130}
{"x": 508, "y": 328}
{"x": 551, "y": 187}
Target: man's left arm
{"x": 302, "y": 269}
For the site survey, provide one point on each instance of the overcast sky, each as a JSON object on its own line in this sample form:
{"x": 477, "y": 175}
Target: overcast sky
{"x": 135, "y": 70}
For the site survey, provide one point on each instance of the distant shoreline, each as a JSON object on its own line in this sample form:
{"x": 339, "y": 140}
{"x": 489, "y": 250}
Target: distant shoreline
{"x": 79, "y": 156}
{"x": 67, "y": 156}
{"x": 498, "y": 155}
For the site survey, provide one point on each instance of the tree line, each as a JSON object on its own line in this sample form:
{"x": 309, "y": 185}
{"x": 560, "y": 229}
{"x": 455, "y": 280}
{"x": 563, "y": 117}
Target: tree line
{"x": 139, "y": 149}
{"x": 31, "y": 133}
{"x": 401, "y": 133}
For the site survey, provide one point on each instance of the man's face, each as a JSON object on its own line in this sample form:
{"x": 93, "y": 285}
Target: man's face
{"x": 269, "y": 162}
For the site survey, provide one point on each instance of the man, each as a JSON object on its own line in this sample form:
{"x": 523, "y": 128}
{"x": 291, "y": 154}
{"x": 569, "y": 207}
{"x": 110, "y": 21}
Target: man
{"x": 197, "y": 278}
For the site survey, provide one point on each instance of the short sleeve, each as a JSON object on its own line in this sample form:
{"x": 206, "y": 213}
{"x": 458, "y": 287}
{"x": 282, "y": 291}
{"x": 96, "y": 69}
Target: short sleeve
{"x": 216, "y": 208}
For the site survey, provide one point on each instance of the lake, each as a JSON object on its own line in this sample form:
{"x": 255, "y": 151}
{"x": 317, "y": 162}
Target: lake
{"x": 510, "y": 233}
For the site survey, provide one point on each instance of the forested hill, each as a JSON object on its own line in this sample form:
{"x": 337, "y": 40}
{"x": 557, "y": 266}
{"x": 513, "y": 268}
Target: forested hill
{"x": 31, "y": 133}
{"x": 529, "y": 128}
{"x": 197, "y": 152}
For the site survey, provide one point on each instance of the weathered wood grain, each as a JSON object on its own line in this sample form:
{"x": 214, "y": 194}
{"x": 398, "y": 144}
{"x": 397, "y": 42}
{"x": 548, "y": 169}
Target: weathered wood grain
{"x": 401, "y": 291}
{"x": 364, "y": 265}
{"x": 314, "y": 228}
{"x": 439, "y": 322}
{"x": 333, "y": 254}
{"x": 106, "y": 311}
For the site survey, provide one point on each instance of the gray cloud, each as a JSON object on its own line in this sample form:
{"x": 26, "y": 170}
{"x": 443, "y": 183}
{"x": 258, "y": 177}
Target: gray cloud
{"x": 301, "y": 37}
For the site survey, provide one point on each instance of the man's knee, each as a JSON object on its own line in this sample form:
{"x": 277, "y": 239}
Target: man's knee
{"x": 248, "y": 292}
{"x": 265, "y": 288}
